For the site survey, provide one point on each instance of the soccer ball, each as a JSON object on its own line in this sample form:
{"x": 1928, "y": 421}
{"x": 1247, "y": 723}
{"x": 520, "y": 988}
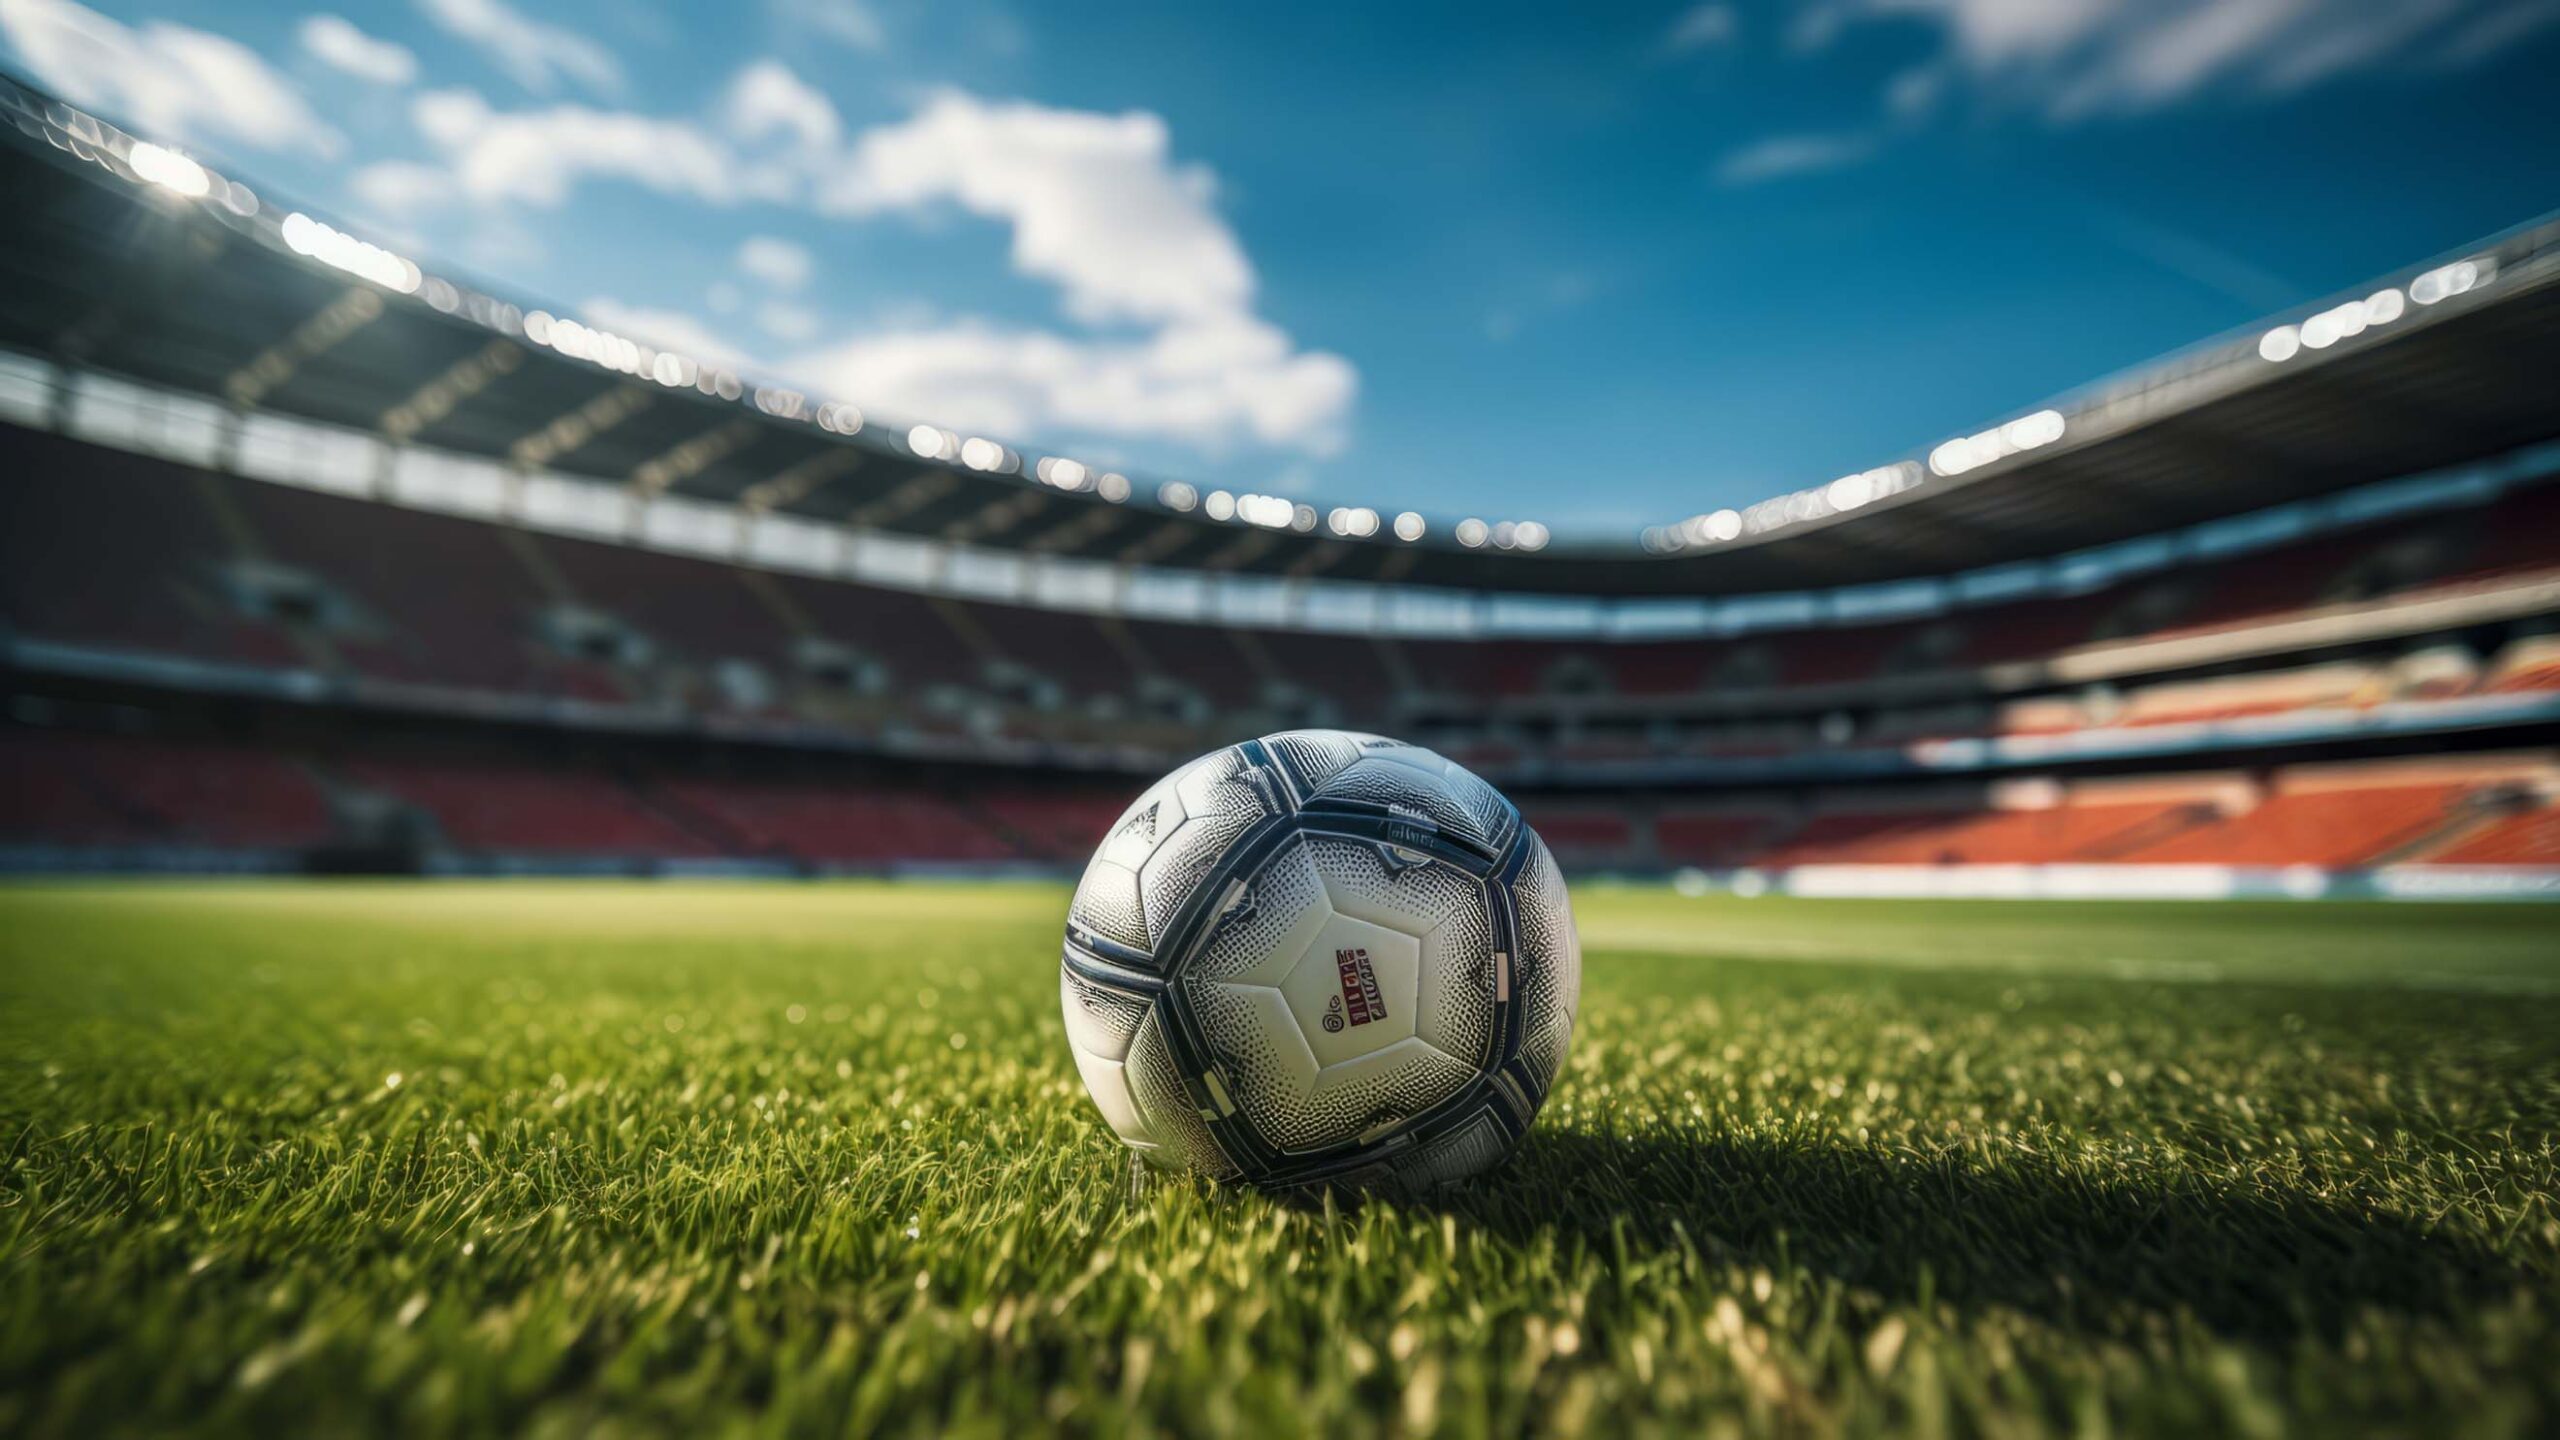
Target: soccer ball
{"x": 1321, "y": 958}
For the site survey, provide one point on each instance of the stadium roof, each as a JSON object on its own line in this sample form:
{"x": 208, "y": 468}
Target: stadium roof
{"x": 128, "y": 257}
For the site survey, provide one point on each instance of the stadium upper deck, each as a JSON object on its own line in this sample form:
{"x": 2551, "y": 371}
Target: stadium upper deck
{"x": 129, "y": 259}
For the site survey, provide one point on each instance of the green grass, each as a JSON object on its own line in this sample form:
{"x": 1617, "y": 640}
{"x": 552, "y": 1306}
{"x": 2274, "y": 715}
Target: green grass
{"x": 699, "y": 1160}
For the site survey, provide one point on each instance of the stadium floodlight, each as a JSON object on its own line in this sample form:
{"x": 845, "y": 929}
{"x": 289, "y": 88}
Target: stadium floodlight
{"x": 1531, "y": 535}
{"x": 1722, "y": 525}
{"x": 979, "y": 453}
{"x": 839, "y": 418}
{"x": 2338, "y": 322}
{"x": 1177, "y": 495}
{"x": 169, "y": 170}
{"x": 2446, "y": 281}
{"x": 1302, "y": 518}
{"x": 1219, "y": 506}
{"x": 1113, "y": 486}
{"x": 339, "y": 250}
{"x": 1409, "y": 526}
{"x": 1473, "y": 532}
{"x": 1852, "y": 491}
{"x": 1321, "y": 958}
{"x": 1061, "y": 473}
{"x": 2280, "y": 344}
{"x": 1268, "y": 511}
{"x": 932, "y": 442}
{"x": 1971, "y": 452}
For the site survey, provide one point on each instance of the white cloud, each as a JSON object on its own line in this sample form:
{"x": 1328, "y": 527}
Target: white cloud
{"x": 1204, "y": 384}
{"x": 767, "y": 99}
{"x": 1099, "y": 207}
{"x": 1781, "y": 156}
{"x": 533, "y": 53}
{"x": 336, "y": 42}
{"x": 1096, "y": 202}
{"x": 2074, "y": 58}
{"x": 167, "y": 80}
{"x": 851, "y": 23}
{"x": 775, "y": 261}
{"x": 1701, "y": 27}
{"x": 788, "y": 320}
{"x": 666, "y": 330}
{"x": 536, "y": 156}
{"x": 400, "y": 188}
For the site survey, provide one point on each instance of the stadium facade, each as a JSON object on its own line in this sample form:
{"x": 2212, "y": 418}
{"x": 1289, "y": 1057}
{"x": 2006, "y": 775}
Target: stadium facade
{"x": 315, "y": 559}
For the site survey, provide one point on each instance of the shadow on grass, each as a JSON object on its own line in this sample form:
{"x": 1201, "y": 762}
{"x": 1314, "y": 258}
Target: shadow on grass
{"x": 2077, "y": 1248}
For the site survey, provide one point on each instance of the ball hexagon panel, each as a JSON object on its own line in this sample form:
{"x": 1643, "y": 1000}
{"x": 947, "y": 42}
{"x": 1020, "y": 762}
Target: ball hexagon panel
{"x": 1161, "y": 847}
{"x": 1550, "y": 966}
{"x": 1318, "y": 755}
{"x": 1272, "y": 923}
{"x": 1165, "y": 1110}
{"x": 1297, "y": 1104}
{"x": 1101, "y": 1020}
{"x": 1101, "y": 1024}
{"x": 1106, "y": 903}
{"x": 1371, "y": 768}
{"x": 1216, "y": 806}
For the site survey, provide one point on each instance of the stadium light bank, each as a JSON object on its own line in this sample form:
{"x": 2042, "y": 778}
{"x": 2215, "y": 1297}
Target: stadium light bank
{"x": 178, "y": 175}
{"x": 2276, "y": 345}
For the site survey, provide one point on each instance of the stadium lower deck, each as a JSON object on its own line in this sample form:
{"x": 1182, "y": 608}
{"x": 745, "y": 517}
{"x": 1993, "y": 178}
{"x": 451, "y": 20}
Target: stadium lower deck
{"x": 210, "y": 671}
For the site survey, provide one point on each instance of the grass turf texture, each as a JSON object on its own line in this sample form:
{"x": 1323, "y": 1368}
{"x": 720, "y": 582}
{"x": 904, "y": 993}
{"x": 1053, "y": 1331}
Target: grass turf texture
{"x": 623, "y": 1159}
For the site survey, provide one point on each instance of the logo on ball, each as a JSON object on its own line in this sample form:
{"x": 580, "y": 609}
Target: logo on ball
{"x": 1359, "y": 988}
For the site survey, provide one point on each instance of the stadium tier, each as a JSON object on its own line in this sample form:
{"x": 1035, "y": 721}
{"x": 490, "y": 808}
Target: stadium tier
{"x": 2424, "y": 620}
{"x": 214, "y": 668}
{"x": 484, "y": 805}
{"x": 374, "y": 570}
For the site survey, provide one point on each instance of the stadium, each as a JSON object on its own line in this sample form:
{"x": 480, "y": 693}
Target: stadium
{"x": 319, "y": 563}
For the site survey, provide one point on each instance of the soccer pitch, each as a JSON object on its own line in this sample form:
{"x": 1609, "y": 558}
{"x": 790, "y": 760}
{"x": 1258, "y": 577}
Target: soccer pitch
{"x": 621, "y": 1158}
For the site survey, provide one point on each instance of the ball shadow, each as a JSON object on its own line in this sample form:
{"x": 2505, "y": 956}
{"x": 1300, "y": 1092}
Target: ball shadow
{"x": 2074, "y": 1246}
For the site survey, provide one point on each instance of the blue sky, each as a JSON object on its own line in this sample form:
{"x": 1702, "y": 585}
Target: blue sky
{"x": 1596, "y": 266}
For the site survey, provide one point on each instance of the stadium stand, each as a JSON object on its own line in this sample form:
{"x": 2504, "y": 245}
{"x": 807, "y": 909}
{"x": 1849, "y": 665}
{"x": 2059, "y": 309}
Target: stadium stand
{"x": 430, "y": 599}
{"x": 2340, "y": 819}
{"x": 503, "y": 809}
{"x": 411, "y": 602}
{"x": 104, "y": 548}
{"x": 399, "y": 594}
{"x": 835, "y": 825}
{"x": 102, "y": 792}
{"x": 2525, "y": 837}
{"x": 1717, "y": 839}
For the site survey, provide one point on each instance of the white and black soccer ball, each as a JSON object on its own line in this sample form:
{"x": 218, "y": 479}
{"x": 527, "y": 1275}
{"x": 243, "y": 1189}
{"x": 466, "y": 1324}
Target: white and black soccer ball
{"x": 1321, "y": 958}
